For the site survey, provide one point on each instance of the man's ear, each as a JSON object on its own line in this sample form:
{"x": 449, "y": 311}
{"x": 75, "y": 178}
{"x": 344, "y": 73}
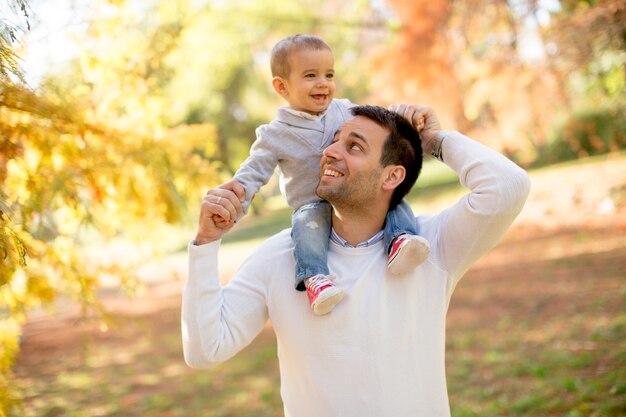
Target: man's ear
{"x": 393, "y": 175}
{"x": 280, "y": 86}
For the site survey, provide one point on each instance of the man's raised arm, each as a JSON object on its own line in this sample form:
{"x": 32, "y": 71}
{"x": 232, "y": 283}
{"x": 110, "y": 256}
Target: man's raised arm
{"x": 217, "y": 322}
{"x": 498, "y": 191}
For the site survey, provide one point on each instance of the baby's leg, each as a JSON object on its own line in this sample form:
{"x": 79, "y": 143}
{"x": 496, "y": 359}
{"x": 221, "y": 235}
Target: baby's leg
{"x": 405, "y": 248}
{"x": 310, "y": 231}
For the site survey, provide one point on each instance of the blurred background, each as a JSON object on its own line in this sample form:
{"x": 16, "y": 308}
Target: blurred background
{"x": 116, "y": 116}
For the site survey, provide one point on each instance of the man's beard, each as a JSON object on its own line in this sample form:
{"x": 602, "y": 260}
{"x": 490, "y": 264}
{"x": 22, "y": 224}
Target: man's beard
{"x": 356, "y": 194}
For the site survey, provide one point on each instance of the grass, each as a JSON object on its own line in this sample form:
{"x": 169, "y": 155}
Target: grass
{"x": 554, "y": 349}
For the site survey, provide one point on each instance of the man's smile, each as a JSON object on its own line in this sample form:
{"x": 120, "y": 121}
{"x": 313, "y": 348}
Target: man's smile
{"x": 333, "y": 173}
{"x": 329, "y": 170}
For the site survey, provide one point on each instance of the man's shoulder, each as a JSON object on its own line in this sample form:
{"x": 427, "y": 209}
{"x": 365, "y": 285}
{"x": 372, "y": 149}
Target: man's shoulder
{"x": 281, "y": 238}
{"x": 276, "y": 244}
{"x": 271, "y": 258}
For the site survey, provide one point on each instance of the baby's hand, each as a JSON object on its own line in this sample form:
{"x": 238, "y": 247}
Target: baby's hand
{"x": 424, "y": 119}
{"x": 221, "y": 222}
{"x": 236, "y": 187}
{"x": 416, "y": 115}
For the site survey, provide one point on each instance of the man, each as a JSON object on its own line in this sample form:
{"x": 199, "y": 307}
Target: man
{"x": 381, "y": 351}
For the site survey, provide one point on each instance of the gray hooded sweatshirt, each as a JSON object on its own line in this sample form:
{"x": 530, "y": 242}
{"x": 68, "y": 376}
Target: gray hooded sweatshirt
{"x": 294, "y": 144}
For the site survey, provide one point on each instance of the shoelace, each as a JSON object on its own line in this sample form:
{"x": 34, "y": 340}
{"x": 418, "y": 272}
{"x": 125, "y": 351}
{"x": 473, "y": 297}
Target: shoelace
{"x": 318, "y": 282}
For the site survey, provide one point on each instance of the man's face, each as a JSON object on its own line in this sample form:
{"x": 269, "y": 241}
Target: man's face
{"x": 350, "y": 170}
{"x": 310, "y": 85}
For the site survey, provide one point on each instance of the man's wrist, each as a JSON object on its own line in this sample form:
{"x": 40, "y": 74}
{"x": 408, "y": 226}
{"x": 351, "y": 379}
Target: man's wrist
{"x": 202, "y": 240}
{"x": 437, "y": 145}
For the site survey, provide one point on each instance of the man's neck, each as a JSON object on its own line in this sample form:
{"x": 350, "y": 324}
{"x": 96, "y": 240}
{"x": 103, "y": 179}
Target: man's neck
{"x": 357, "y": 227}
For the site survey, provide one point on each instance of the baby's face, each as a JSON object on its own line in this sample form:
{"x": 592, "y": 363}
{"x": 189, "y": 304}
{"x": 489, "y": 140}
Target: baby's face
{"x": 311, "y": 85}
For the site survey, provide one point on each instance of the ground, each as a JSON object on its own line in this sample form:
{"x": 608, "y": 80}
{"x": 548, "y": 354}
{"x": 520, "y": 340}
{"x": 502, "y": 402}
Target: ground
{"x": 535, "y": 328}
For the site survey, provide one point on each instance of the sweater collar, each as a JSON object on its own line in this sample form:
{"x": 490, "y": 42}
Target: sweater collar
{"x": 305, "y": 115}
{"x": 334, "y": 237}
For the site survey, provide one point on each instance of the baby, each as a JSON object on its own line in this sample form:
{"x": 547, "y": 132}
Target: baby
{"x": 303, "y": 74}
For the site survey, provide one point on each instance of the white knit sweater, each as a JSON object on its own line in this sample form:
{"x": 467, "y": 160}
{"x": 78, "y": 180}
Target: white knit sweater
{"x": 381, "y": 350}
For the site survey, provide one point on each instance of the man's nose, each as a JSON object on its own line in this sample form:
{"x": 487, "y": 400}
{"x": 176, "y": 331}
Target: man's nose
{"x": 332, "y": 151}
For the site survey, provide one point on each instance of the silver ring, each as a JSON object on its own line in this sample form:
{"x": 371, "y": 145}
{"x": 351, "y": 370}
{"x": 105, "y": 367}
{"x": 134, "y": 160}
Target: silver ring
{"x": 218, "y": 200}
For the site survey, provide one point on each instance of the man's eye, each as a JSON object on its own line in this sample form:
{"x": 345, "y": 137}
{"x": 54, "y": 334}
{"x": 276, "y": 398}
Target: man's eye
{"x": 355, "y": 147}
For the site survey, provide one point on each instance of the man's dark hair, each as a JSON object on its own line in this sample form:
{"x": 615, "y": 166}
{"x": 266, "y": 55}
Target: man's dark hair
{"x": 279, "y": 58}
{"x": 403, "y": 146}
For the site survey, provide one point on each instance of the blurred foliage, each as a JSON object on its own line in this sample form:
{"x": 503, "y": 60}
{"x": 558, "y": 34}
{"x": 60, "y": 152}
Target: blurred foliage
{"x": 88, "y": 156}
{"x": 9, "y": 59}
{"x": 591, "y": 132}
{"x": 508, "y": 73}
{"x": 63, "y": 176}
{"x": 227, "y": 81}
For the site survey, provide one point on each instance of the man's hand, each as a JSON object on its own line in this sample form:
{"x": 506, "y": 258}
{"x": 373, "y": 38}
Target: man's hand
{"x": 220, "y": 209}
{"x": 424, "y": 119}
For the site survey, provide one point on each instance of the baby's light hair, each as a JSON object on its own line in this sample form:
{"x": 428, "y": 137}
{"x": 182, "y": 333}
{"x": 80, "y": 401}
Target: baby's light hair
{"x": 279, "y": 59}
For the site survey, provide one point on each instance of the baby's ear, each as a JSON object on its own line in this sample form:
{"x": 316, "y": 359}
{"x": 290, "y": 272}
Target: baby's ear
{"x": 393, "y": 176}
{"x": 280, "y": 86}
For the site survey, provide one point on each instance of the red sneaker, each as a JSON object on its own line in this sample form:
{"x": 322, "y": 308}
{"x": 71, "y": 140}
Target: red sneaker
{"x": 323, "y": 294}
{"x": 407, "y": 252}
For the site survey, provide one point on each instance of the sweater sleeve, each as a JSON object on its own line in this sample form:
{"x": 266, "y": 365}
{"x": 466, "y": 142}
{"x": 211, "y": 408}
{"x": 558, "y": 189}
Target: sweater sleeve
{"x": 258, "y": 168}
{"x": 217, "y": 322}
{"x": 472, "y": 226}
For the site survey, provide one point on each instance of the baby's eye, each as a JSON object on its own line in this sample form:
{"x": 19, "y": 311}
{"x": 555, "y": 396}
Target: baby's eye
{"x": 330, "y": 76}
{"x": 309, "y": 75}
